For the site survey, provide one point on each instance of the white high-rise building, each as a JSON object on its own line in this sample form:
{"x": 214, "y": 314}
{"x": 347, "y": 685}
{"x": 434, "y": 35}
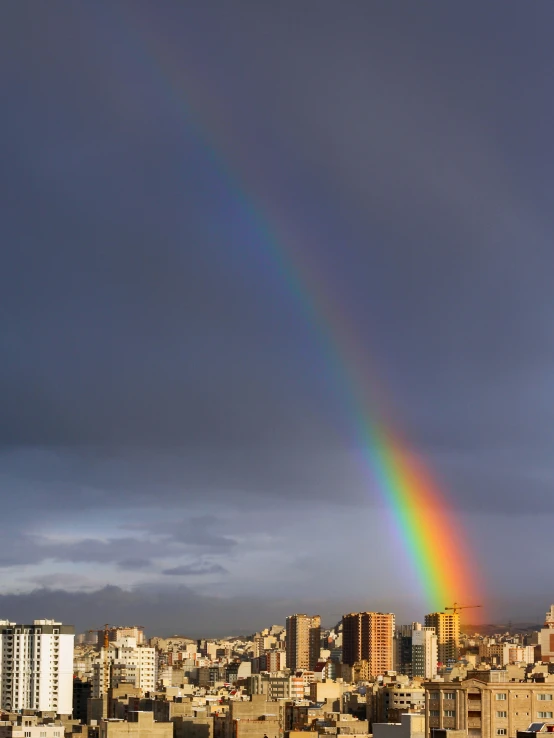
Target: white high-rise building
{"x": 124, "y": 662}
{"x": 36, "y": 666}
{"x": 424, "y": 651}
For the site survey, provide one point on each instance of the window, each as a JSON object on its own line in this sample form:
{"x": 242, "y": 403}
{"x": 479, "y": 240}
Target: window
{"x": 544, "y": 697}
{"x": 27, "y": 734}
{"x": 544, "y": 714}
{"x": 450, "y": 713}
{"x": 501, "y": 731}
{"x": 42, "y": 734}
{"x": 500, "y": 696}
{"x": 501, "y": 714}
{"x": 450, "y": 695}
{"x": 433, "y": 695}
{"x": 434, "y": 713}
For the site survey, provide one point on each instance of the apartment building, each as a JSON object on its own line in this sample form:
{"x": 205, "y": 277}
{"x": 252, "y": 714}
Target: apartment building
{"x": 447, "y": 628}
{"x": 36, "y": 662}
{"x": 368, "y": 636}
{"x": 124, "y": 662}
{"x": 424, "y": 651}
{"x": 402, "y": 649}
{"x": 487, "y": 709}
{"x": 416, "y": 651}
{"x": 30, "y": 726}
{"x": 121, "y": 631}
{"x": 546, "y": 637}
{"x": 137, "y": 725}
{"x": 303, "y": 641}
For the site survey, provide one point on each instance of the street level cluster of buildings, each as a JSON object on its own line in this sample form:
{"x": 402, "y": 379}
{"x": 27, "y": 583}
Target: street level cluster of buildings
{"x": 367, "y": 676}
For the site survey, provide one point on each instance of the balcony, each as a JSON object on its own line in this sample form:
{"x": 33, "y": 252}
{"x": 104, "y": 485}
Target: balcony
{"x": 474, "y": 723}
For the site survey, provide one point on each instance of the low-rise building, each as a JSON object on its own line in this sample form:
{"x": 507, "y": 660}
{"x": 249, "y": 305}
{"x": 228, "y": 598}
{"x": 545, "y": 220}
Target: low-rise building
{"x": 137, "y": 725}
{"x": 487, "y": 709}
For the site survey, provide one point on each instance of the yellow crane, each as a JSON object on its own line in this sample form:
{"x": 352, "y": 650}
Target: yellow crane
{"x": 104, "y": 646}
{"x": 457, "y": 607}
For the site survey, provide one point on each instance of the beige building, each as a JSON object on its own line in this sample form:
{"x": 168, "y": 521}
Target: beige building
{"x": 487, "y": 709}
{"x": 303, "y": 641}
{"x": 137, "y": 725}
{"x": 368, "y": 636}
{"x": 447, "y": 628}
{"x": 122, "y": 631}
{"x": 124, "y": 662}
{"x": 410, "y": 726}
{"x": 546, "y": 637}
{"x": 253, "y": 719}
{"x": 29, "y": 726}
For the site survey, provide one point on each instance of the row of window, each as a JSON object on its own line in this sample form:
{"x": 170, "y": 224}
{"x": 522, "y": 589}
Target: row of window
{"x": 498, "y": 696}
{"x": 544, "y": 715}
{"x": 446, "y": 695}
{"x": 541, "y": 696}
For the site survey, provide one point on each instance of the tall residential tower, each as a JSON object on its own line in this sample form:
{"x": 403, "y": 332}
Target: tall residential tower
{"x": 447, "y": 628}
{"x": 368, "y": 636}
{"x": 36, "y": 666}
{"x": 303, "y": 641}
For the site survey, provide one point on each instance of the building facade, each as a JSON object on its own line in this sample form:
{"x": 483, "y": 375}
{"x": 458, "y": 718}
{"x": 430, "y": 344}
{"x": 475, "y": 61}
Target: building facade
{"x": 447, "y": 628}
{"x": 546, "y": 637}
{"x": 36, "y": 666}
{"x": 424, "y": 651}
{"x": 303, "y": 641}
{"x": 487, "y": 709}
{"x": 368, "y": 636}
{"x": 402, "y": 647}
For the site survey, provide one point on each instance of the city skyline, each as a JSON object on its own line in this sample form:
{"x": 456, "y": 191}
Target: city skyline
{"x": 230, "y": 231}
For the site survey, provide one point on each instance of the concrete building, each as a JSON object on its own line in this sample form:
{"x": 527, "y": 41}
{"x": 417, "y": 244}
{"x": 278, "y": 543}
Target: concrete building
{"x": 137, "y": 725}
{"x": 402, "y": 650}
{"x": 447, "y": 628}
{"x": 303, "y": 641}
{"x": 30, "y": 726}
{"x": 546, "y": 637}
{"x": 193, "y": 727}
{"x": 327, "y": 692}
{"x": 82, "y": 692}
{"x": 514, "y": 654}
{"x": 410, "y": 726}
{"x": 424, "y": 651}
{"x": 124, "y": 662}
{"x": 368, "y": 636}
{"x": 395, "y": 699}
{"x": 121, "y": 631}
{"x": 487, "y": 709}
{"x": 254, "y": 719}
{"x": 275, "y": 661}
{"x": 36, "y": 666}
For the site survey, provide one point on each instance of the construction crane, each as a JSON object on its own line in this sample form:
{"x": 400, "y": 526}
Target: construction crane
{"x": 105, "y": 646}
{"x": 457, "y": 607}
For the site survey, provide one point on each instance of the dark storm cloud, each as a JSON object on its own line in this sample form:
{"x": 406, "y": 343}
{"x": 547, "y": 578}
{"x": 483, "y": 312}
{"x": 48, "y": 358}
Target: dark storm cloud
{"x": 155, "y": 358}
{"x": 134, "y": 564}
{"x": 178, "y": 610}
{"x": 196, "y": 569}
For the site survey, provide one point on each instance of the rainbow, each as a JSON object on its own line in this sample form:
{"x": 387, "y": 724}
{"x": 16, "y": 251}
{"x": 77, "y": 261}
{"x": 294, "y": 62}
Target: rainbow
{"x": 435, "y": 547}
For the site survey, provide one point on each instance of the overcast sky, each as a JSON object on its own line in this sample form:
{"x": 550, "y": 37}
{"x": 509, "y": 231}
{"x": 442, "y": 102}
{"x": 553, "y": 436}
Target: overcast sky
{"x": 175, "y": 446}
